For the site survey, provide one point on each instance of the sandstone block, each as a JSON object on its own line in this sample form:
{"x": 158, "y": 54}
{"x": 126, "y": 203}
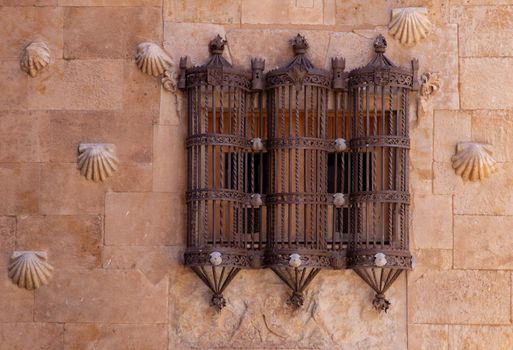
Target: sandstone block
{"x": 114, "y": 336}
{"x": 28, "y": 2}
{"x": 451, "y": 127}
{"x": 20, "y": 188}
{"x": 23, "y": 24}
{"x": 205, "y": 11}
{"x": 153, "y": 262}
{"x": 145, "y": 219}
{"x": 13, "y": 85}
{"x": 75, "y": 3}
{"x": 170, "y": 158}
{"x": 445, "y": 180}
{"x": 485, "y": 83}
{"x": 428, "y": 337}
{"x": 7, "y": 235}
{"x": 432, "y": 221}
{"x": 65, "y": 192}
{"x": 307, "y": 12}
{"x": 24, "y": 136}
{"x": 421, "y": 156}
{"x": 482, "y": 242}
{"x": 78, "y": 85}
{"x": 200, "y": 34}
{"x": 131, "y": 178}
{"x": 479, "y": 24}
{"x": 493, "y": 196}
{"x": 17, "y": 304}
{"x": 265, "y": 11}
{"x": 495, "y": 128}
{"x": 457, "y": 296}
{"x": 431, "y": 259}
{"x": 133, "y": 144}
{"x": 109, "y": 32}
{"x": 481, "y": 337}
{"x": 141, "y": 93}
{"x": 99, "y": 296}
{"x": 33, "y": 336}
{"x": 71, "y": 241}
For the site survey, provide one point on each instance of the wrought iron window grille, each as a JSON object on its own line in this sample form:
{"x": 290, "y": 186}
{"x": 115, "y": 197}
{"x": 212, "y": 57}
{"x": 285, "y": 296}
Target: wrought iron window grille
{"x": 297, "y": 170}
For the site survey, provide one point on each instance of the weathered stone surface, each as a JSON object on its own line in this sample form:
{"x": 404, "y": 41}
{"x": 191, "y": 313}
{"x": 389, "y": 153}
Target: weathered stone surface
{"x": 28, "y": 2}
{"x": 496, "y": 129}
{"x": 421, "y": 156}
{"x": 200, "y": 34}
{"x": 132, "y": 178}
{"x": 265, "y": 11}
{"x": 456, "y": 296}
{"x": 432, "y": 259}
{"x": 492, "y": 196}
{"x": 71, "y": 241}
{"x": 21, "y": 25}
{"x": 109, "y": 32}
{"x": 432, "y": 221}
{"x": 69, "y": 129}
{"x": 481, "y": 337}
{"x": 307, "y": 12}
{"x": 76, "y": 3}
{"x": 484, "y": 31}
{"x": 173, "y": 109}
{"x": 78, "y": 85}
{"x": 274, "y": 46}
{"x": 204, "y": 11}
{"x": 483, "y": 242}
{"x": 24, "y": 136}
{"x": 101, "y": 296}
{"x": 7, "y": 234}
{"x": 144, "y": 219}
{"x": 114, "y": 336}
{"x": 20, "y": 188}
{"x": 141, "y": 93}
{"x": 450, "y": 127}
{"x": 485, "y": 83}
{"x": 13, "y": 86}
{"x": 153, "y": 262}
{"x": 65, "y": 192}
{"x": 169, "y": 159}
{"x": 16, "y": 303}
{"x": 257, "y": 317}
{"x": 33, "y": 336}
{"x": 445, "y": 180}
{"x": 428, "y": 337}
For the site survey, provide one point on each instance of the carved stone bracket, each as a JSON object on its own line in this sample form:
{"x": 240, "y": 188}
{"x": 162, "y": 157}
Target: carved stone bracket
{"x": 430, "y": 84}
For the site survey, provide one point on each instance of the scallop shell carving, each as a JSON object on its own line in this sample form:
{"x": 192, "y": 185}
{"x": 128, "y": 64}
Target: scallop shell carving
{"x": 36, "y": 56}
{"x": 152, "y": 60}
{"x": 97, "y": 161}
{"x": 30, "y": 270}
{"x": 473, "y": 161}
{"x": 409, "y": 25}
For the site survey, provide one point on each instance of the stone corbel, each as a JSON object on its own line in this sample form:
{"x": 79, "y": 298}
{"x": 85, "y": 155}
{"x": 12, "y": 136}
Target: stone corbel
{"x": 430, "y": 84}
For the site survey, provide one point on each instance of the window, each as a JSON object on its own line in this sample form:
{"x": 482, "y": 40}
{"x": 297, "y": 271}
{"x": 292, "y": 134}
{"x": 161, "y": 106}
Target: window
{"x": 297, "y": 170}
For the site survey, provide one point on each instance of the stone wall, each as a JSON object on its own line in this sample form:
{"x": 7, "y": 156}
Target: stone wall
{"x": 116, "y": 246}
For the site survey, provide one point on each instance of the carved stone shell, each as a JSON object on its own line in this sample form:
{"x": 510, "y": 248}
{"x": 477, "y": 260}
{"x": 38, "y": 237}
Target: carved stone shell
{"x": 29, "y": 270}
{"x": 36, "y": 56}
{"x": 473, "y": 161}
{"x": 97, "y": 161}
{"x": 409, "y": 25}
{"x": 152, "y": 60}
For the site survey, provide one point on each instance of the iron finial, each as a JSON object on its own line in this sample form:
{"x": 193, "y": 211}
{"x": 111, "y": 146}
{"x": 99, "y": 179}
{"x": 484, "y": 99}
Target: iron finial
{"x": 216, "y": 45}
{"x": 299, "y": 44}
{"x": 380, "y": 44}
